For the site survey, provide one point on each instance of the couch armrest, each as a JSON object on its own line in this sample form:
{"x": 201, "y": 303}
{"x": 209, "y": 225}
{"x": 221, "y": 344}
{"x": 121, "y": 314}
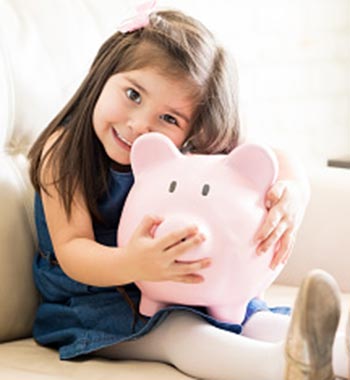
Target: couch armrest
{"x": 18, "y": 297}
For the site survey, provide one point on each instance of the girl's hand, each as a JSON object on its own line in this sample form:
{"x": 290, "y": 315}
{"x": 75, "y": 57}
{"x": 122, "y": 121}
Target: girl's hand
{"x": 286, "y": 206}
{"x": 159, "y": 259}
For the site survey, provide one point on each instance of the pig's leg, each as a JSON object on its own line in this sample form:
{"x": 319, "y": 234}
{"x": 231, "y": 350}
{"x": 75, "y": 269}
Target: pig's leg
{"x": 228, "y": 313}
{"x": 149, "y": 307}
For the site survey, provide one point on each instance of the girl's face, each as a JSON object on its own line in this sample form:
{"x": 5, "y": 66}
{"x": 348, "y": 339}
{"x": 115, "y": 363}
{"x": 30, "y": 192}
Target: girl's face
{"x": 136, "y": 102}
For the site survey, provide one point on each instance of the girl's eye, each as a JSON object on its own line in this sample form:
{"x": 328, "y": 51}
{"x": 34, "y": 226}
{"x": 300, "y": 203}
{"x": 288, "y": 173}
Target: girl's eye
{"x": 133, "y": 95}
{"x": 169, "y": 119}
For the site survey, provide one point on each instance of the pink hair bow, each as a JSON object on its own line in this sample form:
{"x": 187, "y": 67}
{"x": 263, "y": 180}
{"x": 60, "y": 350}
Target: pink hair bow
{"x": 140, "y": 20}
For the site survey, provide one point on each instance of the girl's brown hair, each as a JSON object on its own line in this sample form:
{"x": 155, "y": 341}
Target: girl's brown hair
{"x": 174, "y": 43}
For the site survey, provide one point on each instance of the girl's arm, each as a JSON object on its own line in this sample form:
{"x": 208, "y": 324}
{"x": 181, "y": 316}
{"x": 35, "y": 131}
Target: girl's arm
{"x": 286, "y": 202}
{"x": 79, "y": 256}
{"x": 144, "y": 258}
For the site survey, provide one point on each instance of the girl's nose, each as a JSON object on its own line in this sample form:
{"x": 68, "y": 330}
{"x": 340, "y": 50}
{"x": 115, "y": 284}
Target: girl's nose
{"x": 140, "y": 123}
{"x": 139, "y": 128}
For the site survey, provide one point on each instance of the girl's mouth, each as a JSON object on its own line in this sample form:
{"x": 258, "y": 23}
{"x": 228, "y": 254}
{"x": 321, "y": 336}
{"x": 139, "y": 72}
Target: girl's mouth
{"x": 121, "y": 139}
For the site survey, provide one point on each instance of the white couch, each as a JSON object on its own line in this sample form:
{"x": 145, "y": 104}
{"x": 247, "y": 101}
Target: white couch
{"x": 42, "y": 60}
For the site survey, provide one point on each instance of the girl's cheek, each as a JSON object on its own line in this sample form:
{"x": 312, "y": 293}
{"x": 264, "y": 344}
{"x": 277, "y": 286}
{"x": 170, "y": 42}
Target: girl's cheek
{"x": 110, "y": 110}
{"x": 177, "y": 138}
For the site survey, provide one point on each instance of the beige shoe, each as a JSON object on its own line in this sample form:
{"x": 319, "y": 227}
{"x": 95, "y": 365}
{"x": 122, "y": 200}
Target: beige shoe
{"x": 311, "y": 333}
{"x": 347, "y": 334}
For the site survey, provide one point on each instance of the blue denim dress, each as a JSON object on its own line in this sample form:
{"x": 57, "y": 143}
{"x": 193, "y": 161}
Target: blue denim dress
{"x": 78, "y": 319}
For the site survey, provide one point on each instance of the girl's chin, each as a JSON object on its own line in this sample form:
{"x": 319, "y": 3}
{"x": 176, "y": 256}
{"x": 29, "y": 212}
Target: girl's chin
{"x": 119, "y": 159}
{"x": 121, "y": 167}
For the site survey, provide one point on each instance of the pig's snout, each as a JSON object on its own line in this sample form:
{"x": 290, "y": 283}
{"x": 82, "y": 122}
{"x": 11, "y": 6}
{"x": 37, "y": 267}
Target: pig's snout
{"x": 176, "y": 223}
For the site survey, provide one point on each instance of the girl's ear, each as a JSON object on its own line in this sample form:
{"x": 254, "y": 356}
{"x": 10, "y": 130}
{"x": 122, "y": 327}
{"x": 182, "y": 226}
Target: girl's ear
{"x": 256, "y": 162}
{"x": 151, "y": 149}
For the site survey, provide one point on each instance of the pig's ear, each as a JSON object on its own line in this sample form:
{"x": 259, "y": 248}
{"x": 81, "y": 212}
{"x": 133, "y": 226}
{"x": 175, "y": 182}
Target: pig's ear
{"x": 256, "y": 162}
{"x": 151, "y": 149}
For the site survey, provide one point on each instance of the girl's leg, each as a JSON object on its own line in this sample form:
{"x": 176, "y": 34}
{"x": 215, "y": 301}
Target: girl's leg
{"x": 203, "y": 351}
{"x": 267, "y": 326}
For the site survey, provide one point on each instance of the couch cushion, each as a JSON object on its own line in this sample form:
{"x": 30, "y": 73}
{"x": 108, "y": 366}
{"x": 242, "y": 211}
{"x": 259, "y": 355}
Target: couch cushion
{"x": 25, "y": 360}
{"x": 323, "y": 240}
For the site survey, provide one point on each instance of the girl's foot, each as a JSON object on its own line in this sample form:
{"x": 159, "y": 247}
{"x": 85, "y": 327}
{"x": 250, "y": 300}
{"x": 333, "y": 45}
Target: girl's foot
{"x": 311, "y": 333}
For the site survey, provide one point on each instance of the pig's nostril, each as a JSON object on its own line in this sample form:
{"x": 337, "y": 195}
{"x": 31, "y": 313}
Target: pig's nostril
{"x": 205, "y": 189}
{"x": 172, "y": 186}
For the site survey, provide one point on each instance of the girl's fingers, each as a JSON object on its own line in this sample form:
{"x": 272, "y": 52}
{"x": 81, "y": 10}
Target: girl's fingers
{"x": 274, "y": 194}
{"x": 184, "y": 267}
{"x": 184, "y": 245}
{"x": 284, "y": 250}
{"x": 186, "y": 271}
{"x": 192, "y": 278}
{"x": 272, "y": 238}
{"x": 173, "y": 238}
{"x": 271, "y": 222}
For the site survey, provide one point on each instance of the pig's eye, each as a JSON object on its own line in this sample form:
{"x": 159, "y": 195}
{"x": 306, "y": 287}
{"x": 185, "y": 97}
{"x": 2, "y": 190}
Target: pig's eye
{"x": 172, "y": 186}
{"x": 205, "y": 190}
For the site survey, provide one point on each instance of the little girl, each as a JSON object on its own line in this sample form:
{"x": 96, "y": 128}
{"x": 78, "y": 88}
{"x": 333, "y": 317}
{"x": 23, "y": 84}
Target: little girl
{"x": 162, "y": 72}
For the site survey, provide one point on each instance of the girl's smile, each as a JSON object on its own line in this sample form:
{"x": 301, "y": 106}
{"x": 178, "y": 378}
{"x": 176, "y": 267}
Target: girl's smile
{"x": 123, "y": 142}
{"x": 140, "y": 101}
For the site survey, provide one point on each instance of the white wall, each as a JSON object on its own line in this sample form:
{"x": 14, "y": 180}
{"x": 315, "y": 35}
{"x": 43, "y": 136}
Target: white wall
{"x": 293, "y": 58}
{"x": 294, "y": 65}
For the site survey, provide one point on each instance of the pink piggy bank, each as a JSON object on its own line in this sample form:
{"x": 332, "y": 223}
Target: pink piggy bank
{"x": 224, "y": 196}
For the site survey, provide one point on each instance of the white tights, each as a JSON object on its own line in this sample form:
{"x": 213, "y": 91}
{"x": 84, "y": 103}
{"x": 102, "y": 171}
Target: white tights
{"x": 203, "y": 351}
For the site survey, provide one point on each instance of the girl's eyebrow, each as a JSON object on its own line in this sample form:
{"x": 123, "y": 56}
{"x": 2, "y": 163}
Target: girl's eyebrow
{"x": 137, "y": 85}
{"x": 171, "y": 110}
